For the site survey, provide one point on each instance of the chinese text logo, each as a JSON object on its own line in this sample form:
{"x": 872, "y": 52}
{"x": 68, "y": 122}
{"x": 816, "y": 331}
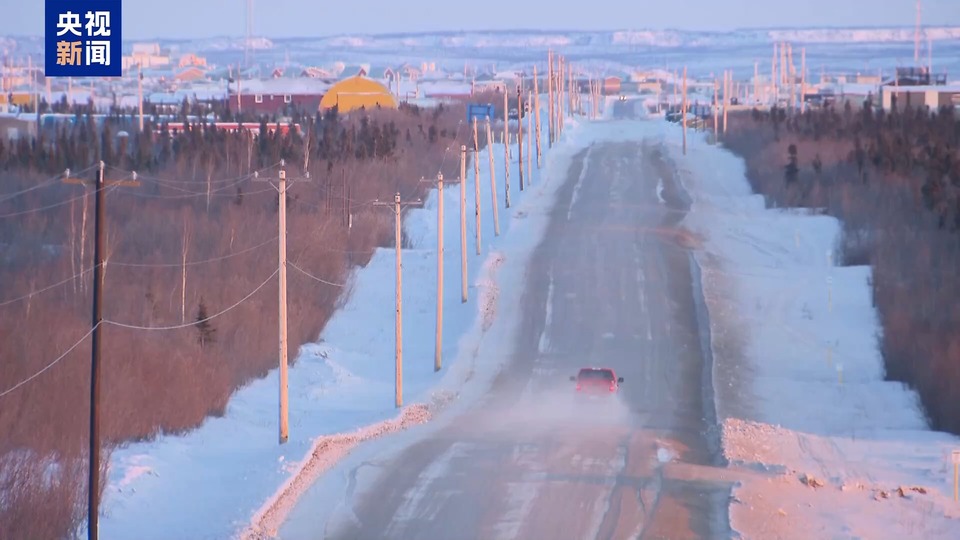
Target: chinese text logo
{"x": 83, "y": 38}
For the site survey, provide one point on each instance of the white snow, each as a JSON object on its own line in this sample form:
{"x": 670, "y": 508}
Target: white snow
{"x": 544, "y": 344}
{"x": 848, "y": 456}
{"x": 579, "y": 185}
{"x": 481, "y": 353}
{"x": 230, "y": 475}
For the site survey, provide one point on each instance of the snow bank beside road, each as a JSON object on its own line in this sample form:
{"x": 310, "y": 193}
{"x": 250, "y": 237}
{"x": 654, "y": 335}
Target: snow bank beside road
{"x": 799, "y": 378}
{"x": 212, "y": 481}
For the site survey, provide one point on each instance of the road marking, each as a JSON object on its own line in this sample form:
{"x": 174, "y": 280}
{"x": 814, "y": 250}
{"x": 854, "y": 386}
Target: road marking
{"x": 576, "y": 189}
{"x": 544, "y": 344}
{"x": 413, "y": 507}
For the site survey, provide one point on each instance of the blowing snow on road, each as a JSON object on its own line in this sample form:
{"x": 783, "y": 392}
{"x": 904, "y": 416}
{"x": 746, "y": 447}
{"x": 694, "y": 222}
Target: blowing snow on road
{"x": 612, "y": 284}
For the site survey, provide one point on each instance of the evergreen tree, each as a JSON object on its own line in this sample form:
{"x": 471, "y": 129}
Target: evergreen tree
{"x": 206, "y": 331}
{"x": 792, "y": 169}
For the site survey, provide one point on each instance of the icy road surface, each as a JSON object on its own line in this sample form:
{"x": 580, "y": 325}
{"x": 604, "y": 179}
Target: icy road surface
{"x": 613, "y": 285}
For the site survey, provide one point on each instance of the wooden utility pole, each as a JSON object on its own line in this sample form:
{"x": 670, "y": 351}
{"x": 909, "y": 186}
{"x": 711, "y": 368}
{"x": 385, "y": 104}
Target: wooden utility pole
{"x": 437, "y": 356}
{"x": 476, "y": 181}
{"x": 792, "y": 79}
{"x": 520, "y": 106}
{"x": 282, "y": 256}
{"x": 99, "y": 245}
{"x": 756, "y": 82}
{"x": 715, "y": 110}
{"x": 536, "y": 107}
{"x": 529, "y": 135}
{"x": 684, "y": 110}
{"x": 506, "y": 146}
{"x": 282, "y": 275}
{"x": 463, "y": 223}
{"x": 564, "y": 69}
{"x": 139, "y": 92}
{"x": 493, "y": 181}
{"x": 438, "y": 348}
{"x": 916, "y": 35}
{"x": 773, "y": 77}
{"x": 727, "y": 77}
{"x": 803, "y": 79}
{"x": 398, "y": 206}
{"x": 550, "y": 135}
{"x": 559, "y": 106}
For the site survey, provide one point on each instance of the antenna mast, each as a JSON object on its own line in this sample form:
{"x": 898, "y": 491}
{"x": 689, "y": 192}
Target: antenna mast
{"x": 246, "y": 43}
{"x": 916, "y": 37}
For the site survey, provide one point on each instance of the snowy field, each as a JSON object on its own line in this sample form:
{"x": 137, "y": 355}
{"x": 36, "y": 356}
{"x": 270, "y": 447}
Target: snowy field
{"x": 231, "y": 476}
{"x": 829, "y": 449}
{"x": 799, "y": 377}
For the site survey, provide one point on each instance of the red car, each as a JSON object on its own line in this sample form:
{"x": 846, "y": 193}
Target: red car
{"x": 596, "y": 380}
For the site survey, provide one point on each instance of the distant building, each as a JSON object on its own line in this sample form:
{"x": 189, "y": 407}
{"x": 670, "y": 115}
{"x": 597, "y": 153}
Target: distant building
{"x": 192, "y": 73}
{"x": 611, "y": 85}
{"x": 147, "y": 55}
{"x": 932, "y": 96}
{"x": 355, "y": 92}
{"x": 280, "y": 96}
{"x": 190, "y": 59}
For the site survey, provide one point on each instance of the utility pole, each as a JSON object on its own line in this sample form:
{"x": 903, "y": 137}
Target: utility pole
{"x": 684, "y": 110}
{"x": 438, "y": 351}
{"x": 476, "y": 180}
{"x": 493, "y": 181}
{"x": 916, "y": 35}
{"x": 397, "y": 210}
{"x": 727, "y": 77}
{"x": 520, "y": 107}
{"x": 715, "y": 111}
{"x": 536, "y": 93}
{"x": 282, "y": 292}
{"x": 99, "y": 236}
{"x": 562, "y": 94}
{"x": 550, "y": 98}
{"x": 140, "y": 91}
{"x": 803, "y": 79}
{"x": 506, "y": 146}
{"x": 530, "y": 135}
{"x": 463, "y": 223}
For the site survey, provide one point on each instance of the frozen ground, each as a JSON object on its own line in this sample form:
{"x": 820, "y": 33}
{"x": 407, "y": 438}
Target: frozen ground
{"x": 230, "y": 473}
{"x": 799, "y": 378}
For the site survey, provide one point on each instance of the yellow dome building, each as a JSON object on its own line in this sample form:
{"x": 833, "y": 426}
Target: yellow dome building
{"x": 355, "y": 92}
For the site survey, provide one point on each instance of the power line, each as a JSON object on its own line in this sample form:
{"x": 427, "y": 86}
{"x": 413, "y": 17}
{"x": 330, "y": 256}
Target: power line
{"x": 45, "y": 289}
{"x": 194, "y": 263}
{"x": 55, "y": 205}
{"x": 50, "y": 365}
{"x": 50, "y": 181}
{"x": 311, "y": 276}
{"x": 159, "y": 180}
{"x": 191, "y": 195}
{"x": 187, "y": 325}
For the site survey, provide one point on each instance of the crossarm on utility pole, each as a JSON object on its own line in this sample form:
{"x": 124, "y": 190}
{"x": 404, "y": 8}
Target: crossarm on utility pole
{"x": 282, "y": 289}
{"x": 100, "y": 235}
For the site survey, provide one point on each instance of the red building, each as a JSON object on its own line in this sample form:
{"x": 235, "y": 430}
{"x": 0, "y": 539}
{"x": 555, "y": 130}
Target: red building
{"x": 611, "y": 86}
{"x": 279, "y": 96}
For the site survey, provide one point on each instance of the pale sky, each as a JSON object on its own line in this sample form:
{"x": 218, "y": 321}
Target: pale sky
{"x": 171, "y": 19}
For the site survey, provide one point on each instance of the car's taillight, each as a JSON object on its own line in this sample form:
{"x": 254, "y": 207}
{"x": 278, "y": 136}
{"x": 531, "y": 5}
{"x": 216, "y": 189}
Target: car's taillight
{"x": 613, "y": 387}
{"x": 578, "y": 387}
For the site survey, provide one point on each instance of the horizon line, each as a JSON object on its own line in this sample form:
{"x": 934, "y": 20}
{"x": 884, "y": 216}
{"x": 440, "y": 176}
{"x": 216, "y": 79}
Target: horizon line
{"x": 526, "y": 30}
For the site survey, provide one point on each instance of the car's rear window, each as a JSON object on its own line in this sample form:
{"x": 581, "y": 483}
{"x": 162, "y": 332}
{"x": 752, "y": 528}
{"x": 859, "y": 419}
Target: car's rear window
{"x": 596, "y": 374}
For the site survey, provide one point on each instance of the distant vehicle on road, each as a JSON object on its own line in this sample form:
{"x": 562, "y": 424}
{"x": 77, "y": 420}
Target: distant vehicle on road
{"x": 592, "y": 381}
{"x": 623, "y": 97}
